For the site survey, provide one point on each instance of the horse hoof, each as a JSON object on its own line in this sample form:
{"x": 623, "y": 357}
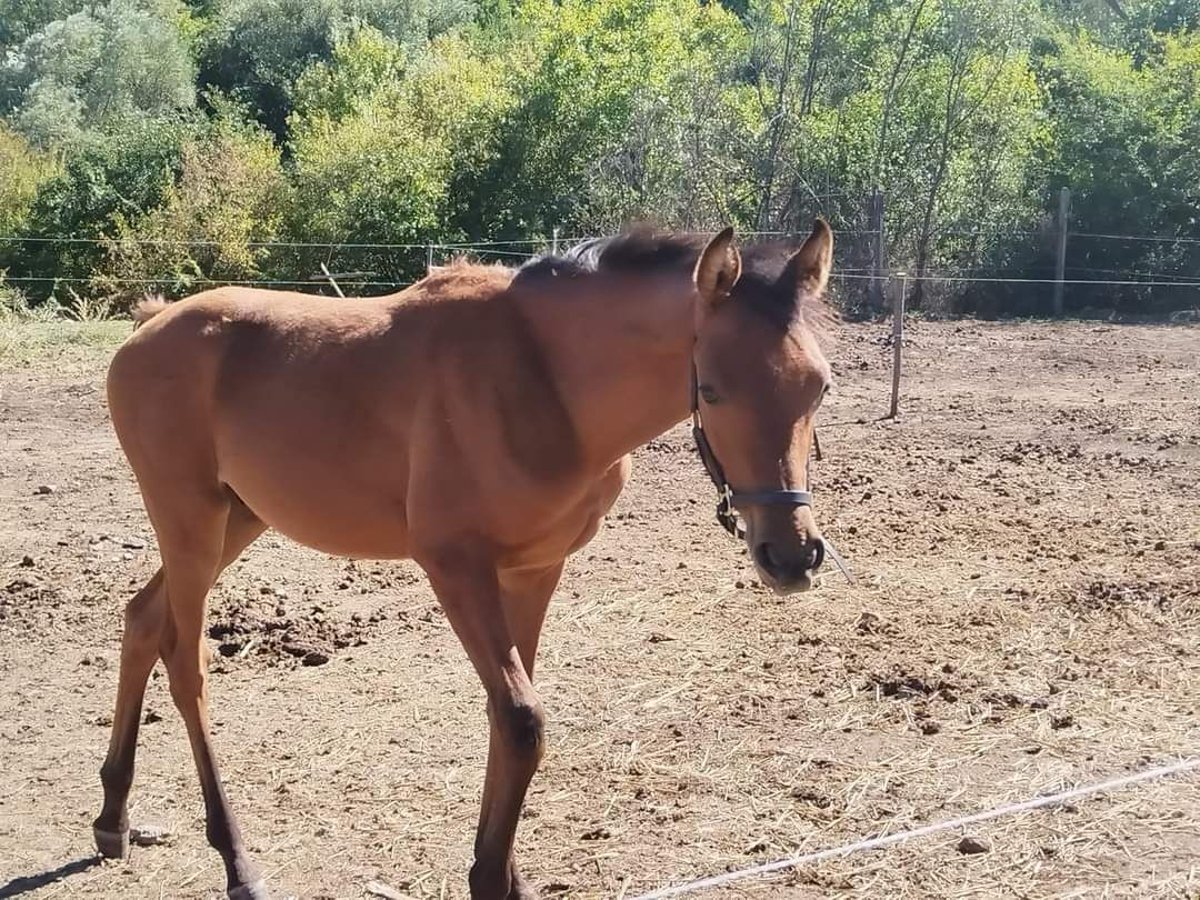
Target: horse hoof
{"x": 521, "y": 891}
{"x": 111, "y": 844}
{"x": 254, "y": 891}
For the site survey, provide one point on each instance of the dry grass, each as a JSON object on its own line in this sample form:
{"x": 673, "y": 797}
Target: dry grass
{"x": 1026, "y": 618}
{"x": 25, "y": 343}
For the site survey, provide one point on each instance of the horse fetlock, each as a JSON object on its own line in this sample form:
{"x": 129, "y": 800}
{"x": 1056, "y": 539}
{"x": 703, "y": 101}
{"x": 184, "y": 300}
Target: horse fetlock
{"x": 519, "y": 888}
{"x": 504, "y": 882}
{"x": 256, "y": 890}
{"x": 489, "y": 881}
{"x": 116, "y": 779}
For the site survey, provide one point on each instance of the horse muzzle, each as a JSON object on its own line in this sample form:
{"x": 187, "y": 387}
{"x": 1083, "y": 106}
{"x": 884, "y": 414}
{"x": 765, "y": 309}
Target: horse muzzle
{"x": 788, "y": 569}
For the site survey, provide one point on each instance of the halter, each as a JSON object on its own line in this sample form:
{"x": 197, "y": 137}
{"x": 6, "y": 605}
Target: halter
{"x": 730, "y": 501}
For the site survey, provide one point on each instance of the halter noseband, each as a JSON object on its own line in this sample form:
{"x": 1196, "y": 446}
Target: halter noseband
{"x": 729, "y": 500}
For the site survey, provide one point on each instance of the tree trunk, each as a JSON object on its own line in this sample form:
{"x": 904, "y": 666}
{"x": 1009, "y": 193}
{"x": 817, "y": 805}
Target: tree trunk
{"x": 885, "y": 114}
{"x": 779, "y": 122}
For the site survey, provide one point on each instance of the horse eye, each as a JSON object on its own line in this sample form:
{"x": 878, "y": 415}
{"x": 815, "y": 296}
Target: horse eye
{"x": 709, "y": 395}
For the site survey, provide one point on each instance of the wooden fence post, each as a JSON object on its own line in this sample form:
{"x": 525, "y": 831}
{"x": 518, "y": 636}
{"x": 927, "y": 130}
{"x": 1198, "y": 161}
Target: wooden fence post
{"x": 878, "y": 245}
{"x": 897, "y": 344}
{"x": 1060, "y": 268}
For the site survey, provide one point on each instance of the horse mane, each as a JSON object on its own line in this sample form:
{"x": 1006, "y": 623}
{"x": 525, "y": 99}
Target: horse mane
{"x": 644, "y": 251}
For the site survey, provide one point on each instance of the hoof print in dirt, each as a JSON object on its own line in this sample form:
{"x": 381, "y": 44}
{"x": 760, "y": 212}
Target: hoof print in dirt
{"x": 869, "y": 623}
{"x": 149, "y": 836}
{"x": 972, "y": 845}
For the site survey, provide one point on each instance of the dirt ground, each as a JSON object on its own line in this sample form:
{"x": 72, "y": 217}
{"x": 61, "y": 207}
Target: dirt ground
{"x": 1026, "y": 618}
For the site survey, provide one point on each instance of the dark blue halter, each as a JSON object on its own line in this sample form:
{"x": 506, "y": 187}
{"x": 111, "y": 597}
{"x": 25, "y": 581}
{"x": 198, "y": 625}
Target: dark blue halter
{"x": 730, "y": 501}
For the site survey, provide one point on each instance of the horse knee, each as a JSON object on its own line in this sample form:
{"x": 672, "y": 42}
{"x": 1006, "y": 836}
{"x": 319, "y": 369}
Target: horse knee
{"x": 522, "y": 723}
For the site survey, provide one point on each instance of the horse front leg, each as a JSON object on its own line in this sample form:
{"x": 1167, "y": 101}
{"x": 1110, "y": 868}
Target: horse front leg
{"x": 498, "y": 619}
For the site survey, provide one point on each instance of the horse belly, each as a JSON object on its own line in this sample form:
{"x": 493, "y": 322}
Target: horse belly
{"x": 324, "y": 521}
{"x": 312, "y": 494}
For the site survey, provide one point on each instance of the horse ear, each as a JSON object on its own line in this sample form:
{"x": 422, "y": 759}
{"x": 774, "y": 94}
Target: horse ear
{"x": 808, "y": 268}
{"x": 718, "y": 269}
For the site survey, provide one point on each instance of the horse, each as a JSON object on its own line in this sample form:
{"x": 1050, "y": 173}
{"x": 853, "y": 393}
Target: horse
{"x": 480, "y": 423}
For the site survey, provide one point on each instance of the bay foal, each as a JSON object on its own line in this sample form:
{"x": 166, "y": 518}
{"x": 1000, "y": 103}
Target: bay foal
{"x": 479, "y": 423}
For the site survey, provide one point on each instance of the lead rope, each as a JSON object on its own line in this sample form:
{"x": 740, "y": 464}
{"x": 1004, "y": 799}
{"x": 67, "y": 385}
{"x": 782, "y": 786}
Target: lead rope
{"x": 837, "y": 559}
{"x": 830, "y": 550}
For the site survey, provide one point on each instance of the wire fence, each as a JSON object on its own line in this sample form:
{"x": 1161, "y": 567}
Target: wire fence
{"x": 316, "y": 282}
{"x": 514, "y": 250}
{"x": 1058, "y": 798}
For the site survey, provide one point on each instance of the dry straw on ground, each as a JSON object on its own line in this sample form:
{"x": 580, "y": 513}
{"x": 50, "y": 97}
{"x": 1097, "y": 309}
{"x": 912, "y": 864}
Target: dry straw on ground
{"x": 1027, "y": 617}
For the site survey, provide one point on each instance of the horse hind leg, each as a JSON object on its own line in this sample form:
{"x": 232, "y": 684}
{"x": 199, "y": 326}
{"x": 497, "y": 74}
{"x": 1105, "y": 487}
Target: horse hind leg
{"x": 144, "y": 617}
{"x": 193, "y": 543}
{"x": 150, "y": 631}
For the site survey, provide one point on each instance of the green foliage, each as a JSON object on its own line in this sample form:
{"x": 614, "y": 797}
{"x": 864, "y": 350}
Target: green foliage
{"x": 96, "y": 68}
{"x": 408, "y": 122}
{"x": 611, "y": 98}
{"x": 107, "y": 177}
{"x": 1126, "y": 135}
{"x": 24, "y": 170}
{"x": 376, "y": 139}
{"x": 212, "y": 223}
{"x": 1127, "y": 138}
{"x": 21, "y": 18}
{"x": 257, "y": 49}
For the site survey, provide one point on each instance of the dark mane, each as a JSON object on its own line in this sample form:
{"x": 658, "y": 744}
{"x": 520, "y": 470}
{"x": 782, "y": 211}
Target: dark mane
{"x": 648, "y": 252}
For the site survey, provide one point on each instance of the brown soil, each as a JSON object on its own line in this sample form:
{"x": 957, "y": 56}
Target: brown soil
{"x": 1026, "y": 618}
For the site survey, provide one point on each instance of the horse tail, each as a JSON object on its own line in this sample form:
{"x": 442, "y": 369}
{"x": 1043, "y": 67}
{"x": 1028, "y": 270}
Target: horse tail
{"x": 150, "y": 306}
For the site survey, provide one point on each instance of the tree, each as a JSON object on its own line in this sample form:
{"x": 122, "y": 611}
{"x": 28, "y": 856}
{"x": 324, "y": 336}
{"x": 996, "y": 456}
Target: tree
{"x": 976, "y": 72}
{"x": 96, "y": 68}
{"x": 606, "y": 125}
{"x": 108, "y": 175}
{"x": 1126, "y": 139}
{"x": 24, "y": 171}
{"x": 376, "y": 138}
{"x": 21, "y": 18}
{"x": 215, "y": 221}
{"x": 255, "y": 50}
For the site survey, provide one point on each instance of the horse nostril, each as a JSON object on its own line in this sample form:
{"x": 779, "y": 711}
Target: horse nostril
{"x": 816, "y": 554}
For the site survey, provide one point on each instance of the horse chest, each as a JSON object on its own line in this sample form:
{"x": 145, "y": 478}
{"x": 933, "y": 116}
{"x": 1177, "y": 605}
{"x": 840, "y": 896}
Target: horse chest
{"x": 573, "y": 524}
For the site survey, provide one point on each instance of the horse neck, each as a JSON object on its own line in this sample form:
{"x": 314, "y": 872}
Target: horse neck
{"x": 620, "y": 352}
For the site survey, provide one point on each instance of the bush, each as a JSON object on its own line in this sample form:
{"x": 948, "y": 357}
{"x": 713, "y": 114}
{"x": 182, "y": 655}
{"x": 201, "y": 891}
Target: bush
{"x": 25, "y": 169}
{"x": 376, "y": 140}
{"x": 95, "y": 69}
{"x": 616, "y": 101}
{"x": 108, "y": 177}
{"x": 257, "y": 49}
{"x": 211, "y": 224}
